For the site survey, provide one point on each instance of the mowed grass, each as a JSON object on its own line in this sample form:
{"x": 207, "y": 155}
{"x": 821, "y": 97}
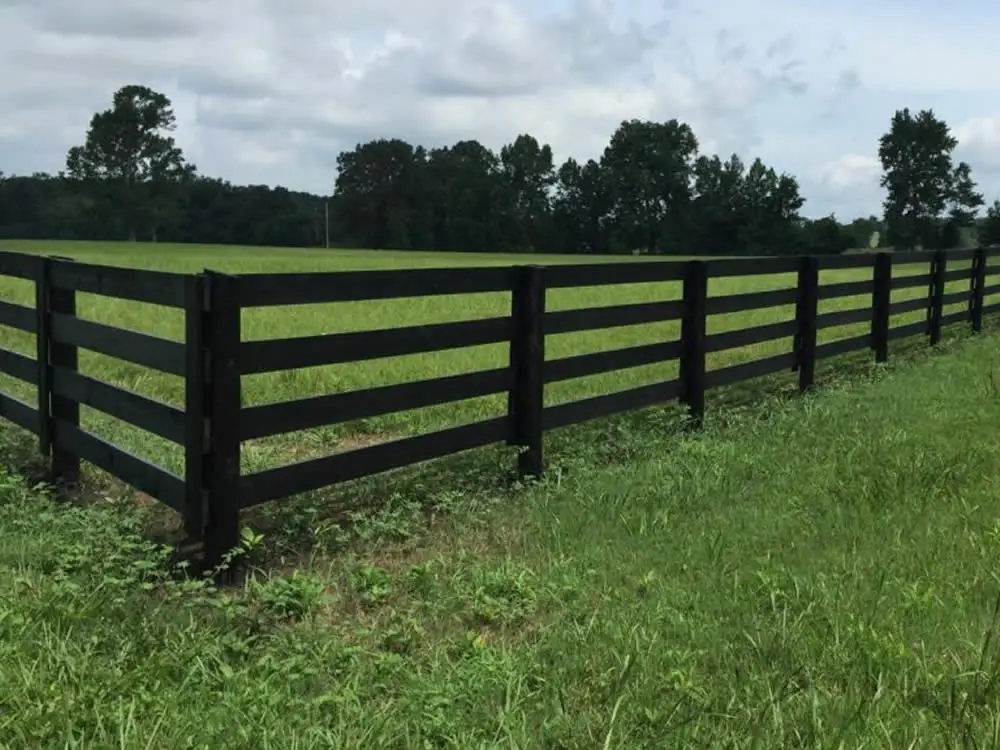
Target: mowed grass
{"x": 819, "y": 573}
{"x": 284, "y": 322}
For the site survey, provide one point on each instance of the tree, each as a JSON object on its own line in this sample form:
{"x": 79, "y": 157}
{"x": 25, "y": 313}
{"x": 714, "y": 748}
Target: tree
{"x": 964, "y": 201}
{"x": 373, "y": 189}
{"x": 989, "y": 230}
{"x": 209, "y": 210}
{"x": 581, "y": 208}
{"x": 650, "y": 191}
{"x": 864, "y": 230}
{"x": 130, "y": 158}
{"x": 467, "y": 215}
{"x": 923, "y": 183}
{"x": 826, "y": 236}
{"x": 743, "y": 211}
{"x": 527, "y": 174}
{"x": 648, "y": 169}
{"x": 719, "y": 208}
{"x": 964, "y": 204}
{"x": 771, "y": 205}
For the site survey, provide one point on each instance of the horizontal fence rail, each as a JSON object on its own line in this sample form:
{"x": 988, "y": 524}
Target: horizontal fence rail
{"x": 212, "y": 358}
{"x": 260, "y": 290}
{"x": 337, "y": 408}
{"x": 271, "y": 355}
{"x": 322, "y": 472}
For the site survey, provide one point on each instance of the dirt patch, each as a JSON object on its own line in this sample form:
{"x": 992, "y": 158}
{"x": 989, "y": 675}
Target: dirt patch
{"x": 291, "y": 452}
{"x": 142, "y": 501}
{"x": 365, "y": 440}
{"x": 163, "y": 523}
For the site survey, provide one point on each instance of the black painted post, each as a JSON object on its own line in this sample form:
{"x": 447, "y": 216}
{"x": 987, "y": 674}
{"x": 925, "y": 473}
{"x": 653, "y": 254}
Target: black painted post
{"x": 223, "y": 400}
{"x": 61, "y": 410}
{"x": 976, "y": 286}
{"x": 693, "y": 328}
{"x": 42, "y": 339}
{"x": 881, "y": 301}
{"x": 196, "y": 399}
{"x": 806, "y": 310}
{"x": 935, "y": 306}
{"x": 526, "y": 401}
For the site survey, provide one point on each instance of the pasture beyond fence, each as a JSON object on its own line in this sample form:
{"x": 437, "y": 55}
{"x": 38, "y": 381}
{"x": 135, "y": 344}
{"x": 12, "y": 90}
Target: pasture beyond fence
{"x": 213, "y": 358}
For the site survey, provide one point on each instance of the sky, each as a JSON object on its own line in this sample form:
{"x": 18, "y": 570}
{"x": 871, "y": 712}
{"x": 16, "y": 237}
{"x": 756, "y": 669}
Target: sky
{"x": 270, "y": 91}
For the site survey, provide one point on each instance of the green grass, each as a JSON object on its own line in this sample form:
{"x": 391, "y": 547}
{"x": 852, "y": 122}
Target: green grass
{"x": 817, "y": 573}
{"x": 313, "y": 319}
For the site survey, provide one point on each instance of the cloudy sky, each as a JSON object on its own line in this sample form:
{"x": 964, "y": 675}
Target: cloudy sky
{"x": 269, "y": 91}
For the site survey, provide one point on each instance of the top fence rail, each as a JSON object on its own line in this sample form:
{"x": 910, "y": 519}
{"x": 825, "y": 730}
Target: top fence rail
{"x": 137, "y": 285}
{"x": 271, "y": 290}
{"x": 133, "y": 284}
{"x": 20, "y": 266}
{"x": 258, "y": 290}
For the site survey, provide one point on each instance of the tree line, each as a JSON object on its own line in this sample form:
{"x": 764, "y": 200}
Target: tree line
{"x": 651, "y": 191}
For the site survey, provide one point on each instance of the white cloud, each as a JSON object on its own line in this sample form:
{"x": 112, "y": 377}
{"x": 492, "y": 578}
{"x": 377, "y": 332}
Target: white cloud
{"x": 979, "y": 141}
{"x": 270, "y": 90}
{"x": 851, "y": 171}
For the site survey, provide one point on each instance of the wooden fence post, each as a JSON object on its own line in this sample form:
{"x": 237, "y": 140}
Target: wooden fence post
{"x": 196, "y": 399}
{"x": 977, "y": 284}
{"x": 881, "y": 301}
{"x": 693, "y": 326}
{"x": 42, "y": 337}
{"x": 935, "y": 306}
{"x": 526, "y": 401}
{"x": 223, "y": 400}
{"x": 58, "y": 301}
{"x": 805, "y": 317}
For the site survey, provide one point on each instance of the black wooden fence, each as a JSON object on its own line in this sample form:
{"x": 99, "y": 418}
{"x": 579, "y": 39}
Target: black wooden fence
{"x": 213, "y": 358}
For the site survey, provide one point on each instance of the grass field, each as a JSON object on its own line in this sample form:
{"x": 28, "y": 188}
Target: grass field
{"x": 312, "y": 319}
{"x": 817, "y": 573}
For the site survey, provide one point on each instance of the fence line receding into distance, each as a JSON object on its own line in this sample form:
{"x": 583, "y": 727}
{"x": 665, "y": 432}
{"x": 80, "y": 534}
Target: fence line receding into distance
{"x": 212, "y": 359}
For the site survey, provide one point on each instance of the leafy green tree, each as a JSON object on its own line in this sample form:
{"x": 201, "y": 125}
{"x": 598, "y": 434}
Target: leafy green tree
{"x": 651, "y": 191}
{"x": 923, "y": 183}
{"x": 864, "y": 229}
{"x": 581, "y": 208}
{"x": 963, "y": 209}
{"x": 964, "y": 200}
{"x": 771, "y": 210}
{"x": 208, "y": 211}
{"x": 827, "y": 236}
{"x": 130, "y": 159}
{"x": 468, "y": 215}
{"x": 989, "y": 229}
{"x": 741, "y": 210}
{"x": 374, "y": 186}
{"x": 648, "y": 168}
{"x": 527, "y": 175}
{"x": 422, "y": 198}
{"x": 719, "y": 205}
